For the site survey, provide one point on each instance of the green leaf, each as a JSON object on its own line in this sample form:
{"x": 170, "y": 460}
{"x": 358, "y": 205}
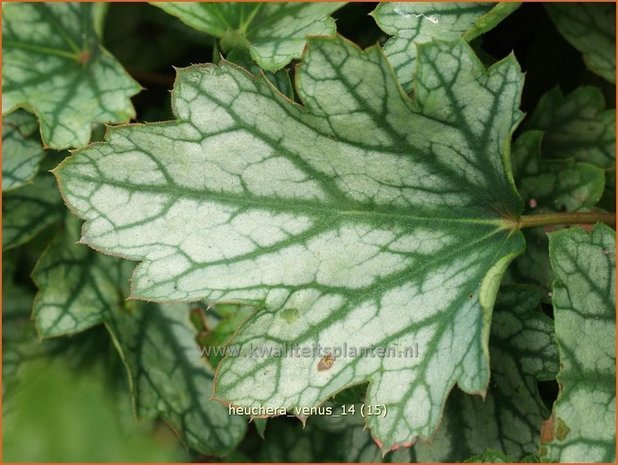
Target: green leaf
{"x": 553, "y": 185}
{"x": 21, "y": 153}
{"x": 591, "y": 29}
{"x": 583, "y": 424}
{"x": 562, "y": 186}
{"x": 577, "y": 126}
{"x": 548, "y": 186}
{"x": 54, "y": 66}
{"x": 29, "y": 210}
{"x": 79, "y": 288}
{"x": 363, "y": 214}
{"x": 509, "y": 419}
{"x": 22, "y": 347}
{"x": 274, "y": 33}
{"x": 169, "y": 378}
{"x": 416, "y": 23}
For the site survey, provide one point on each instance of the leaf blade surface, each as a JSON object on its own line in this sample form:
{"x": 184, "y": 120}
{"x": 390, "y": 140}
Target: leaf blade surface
{"x": 350, "y": 209}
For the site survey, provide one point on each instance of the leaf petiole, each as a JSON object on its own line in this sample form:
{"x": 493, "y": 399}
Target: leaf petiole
{"x": 532, "y": 221}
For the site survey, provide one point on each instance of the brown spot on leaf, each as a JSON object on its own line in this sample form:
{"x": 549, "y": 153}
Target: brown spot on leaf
{"x": 554, "y": 428}
{"x": 326, "y": 362}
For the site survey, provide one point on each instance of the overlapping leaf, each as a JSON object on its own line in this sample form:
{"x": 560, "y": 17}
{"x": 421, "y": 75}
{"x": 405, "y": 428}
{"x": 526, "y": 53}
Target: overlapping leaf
{"x": 29, "y": 210}
{"x": 577, "y": 125}
{"x": 274, "y": 33}
{"x": 509, "y": 419}
{"x": 363, "y": 216}
{"x": 80, "y": 288}
{"x": 21, "y": 153}
{"x": 169, "y": 379}
{"x": 550, "y": 185}
{"x": 21, "y": 345}
{"x": 54, "y": 66}
{"x": 591, "y": 29}
{"x": 583, "y": 424}
{"x": 416, "y": 23}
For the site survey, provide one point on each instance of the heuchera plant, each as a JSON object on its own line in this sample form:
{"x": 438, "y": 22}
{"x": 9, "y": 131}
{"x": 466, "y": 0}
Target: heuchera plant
{"x": 364, "y": 232}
